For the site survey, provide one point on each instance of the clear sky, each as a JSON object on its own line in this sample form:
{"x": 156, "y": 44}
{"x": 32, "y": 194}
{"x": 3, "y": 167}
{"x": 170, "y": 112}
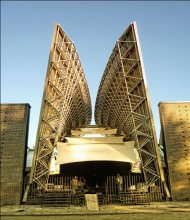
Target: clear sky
{"x": 94, "y": 26}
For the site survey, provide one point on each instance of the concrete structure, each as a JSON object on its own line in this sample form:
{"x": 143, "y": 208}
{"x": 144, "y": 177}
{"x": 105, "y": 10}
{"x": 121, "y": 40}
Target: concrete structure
{"x": 30, "y": 154}
{"x": 14, "y": 137}
{"x": 175, "y": 137}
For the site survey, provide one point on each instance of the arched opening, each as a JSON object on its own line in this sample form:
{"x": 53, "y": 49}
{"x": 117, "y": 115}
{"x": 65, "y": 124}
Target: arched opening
{"x": 95, "y": 172}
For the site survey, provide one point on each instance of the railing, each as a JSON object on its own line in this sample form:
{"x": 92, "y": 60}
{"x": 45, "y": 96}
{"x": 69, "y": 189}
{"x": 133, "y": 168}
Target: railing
{"x": 61, "y": 192}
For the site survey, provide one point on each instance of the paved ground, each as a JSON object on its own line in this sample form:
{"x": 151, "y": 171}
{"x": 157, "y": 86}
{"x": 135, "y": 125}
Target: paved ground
{"x": 155, "y": 211}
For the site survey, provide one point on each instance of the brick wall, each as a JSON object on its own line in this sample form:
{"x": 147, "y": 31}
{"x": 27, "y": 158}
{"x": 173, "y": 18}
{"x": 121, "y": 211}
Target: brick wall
{"x": 175, "y": 130}
{"x": 14, "y": 137}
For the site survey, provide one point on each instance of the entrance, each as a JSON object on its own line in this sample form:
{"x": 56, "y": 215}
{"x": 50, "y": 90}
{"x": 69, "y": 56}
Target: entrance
{"x": 95, "y": 172}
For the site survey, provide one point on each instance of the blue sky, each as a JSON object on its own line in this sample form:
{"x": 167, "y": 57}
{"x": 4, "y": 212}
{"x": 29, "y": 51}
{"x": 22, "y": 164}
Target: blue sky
{"x": 26, "y": 34}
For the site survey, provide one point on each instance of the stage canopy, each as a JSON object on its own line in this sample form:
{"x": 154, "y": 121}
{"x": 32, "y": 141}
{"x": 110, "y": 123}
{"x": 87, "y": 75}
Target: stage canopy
{"x": 71, "y": 152}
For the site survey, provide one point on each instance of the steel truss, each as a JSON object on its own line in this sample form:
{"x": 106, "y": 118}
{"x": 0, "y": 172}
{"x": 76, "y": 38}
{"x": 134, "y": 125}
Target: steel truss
{"x": 66, "y": 103}
{"x": 123, "y": 101}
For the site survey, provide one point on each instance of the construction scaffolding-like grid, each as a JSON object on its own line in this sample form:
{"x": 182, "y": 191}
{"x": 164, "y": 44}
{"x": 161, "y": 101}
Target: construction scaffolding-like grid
{"x": 123, "y": 102}
{"x": 65, "y": 105}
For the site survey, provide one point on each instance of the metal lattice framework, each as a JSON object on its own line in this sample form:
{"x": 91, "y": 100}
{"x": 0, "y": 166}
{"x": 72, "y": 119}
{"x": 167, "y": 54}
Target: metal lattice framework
{"x": 123, "y": 101}
{"x": 66, "y": 103}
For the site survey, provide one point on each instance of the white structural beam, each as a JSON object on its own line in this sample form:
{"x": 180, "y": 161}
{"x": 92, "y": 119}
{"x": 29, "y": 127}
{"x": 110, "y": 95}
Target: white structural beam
{"x": 95, "y": 140}
{"x": 71, "y": 153}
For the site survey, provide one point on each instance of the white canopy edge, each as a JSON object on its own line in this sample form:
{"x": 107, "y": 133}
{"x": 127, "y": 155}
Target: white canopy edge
{"x": 93, "y": 131}
{"x": 95, "y": 152}
{"x": 95, "y": 140}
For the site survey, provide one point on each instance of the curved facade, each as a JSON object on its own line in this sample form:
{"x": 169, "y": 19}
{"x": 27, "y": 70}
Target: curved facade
{"x": 123, "y": 101}
{"x": 66, "y": 103}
